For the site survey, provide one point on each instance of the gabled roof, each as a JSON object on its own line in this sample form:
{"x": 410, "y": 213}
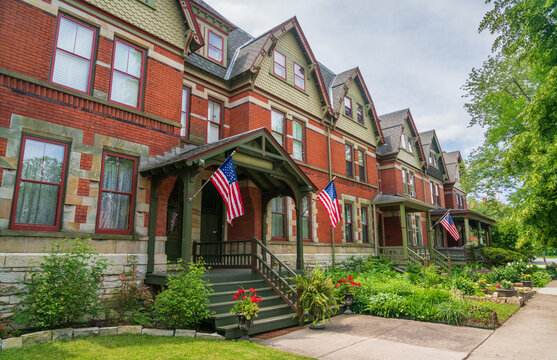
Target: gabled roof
{"x": 214, "y": 12}
{"x": 392, "y": 125}
{"x": 452, "y": 159}
{"x": 193, "y": 39}
{"x": 429, "y": 140}
{"x": 339, "y": 88}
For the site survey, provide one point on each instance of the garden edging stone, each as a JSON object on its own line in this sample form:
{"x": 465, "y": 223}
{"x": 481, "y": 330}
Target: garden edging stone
{"x": 109, "y": 330}
{"x": 83, "y": 332}
{"x": 36, "y": 338}
{"x": 157, "y": 332}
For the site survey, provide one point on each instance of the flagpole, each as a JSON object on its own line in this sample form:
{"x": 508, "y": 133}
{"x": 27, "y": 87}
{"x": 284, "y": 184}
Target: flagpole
{"x": 313, "y": 200}
{"x": 190, "y": 199}
{"x": 440, "y": 219}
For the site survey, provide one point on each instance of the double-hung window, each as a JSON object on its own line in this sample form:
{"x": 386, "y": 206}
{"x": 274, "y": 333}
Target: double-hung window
{"x": 126, "y": 83}
{"x": 361, "y": 165}
{"x": 216, "y": 46}
{"x": 184, "y": 111}
{"x": 409, "y": 229}
{"x": 360, "y": 113}
{"x": 278, "y": 218}
{"x": 277, "y": 126}
{"x": 279, "y": 64}
{"x": 40, "y": 185}
{"x": 431, "y": 193}
{"x": 349, "y": 160}
{"x": 437, "y": 197}
{"x": 419, "y": 240}
{"x": 403, "y": 142}
{"x": 365, "y": 226}
{"x": 411, "y": 184}
{"x": 348, "y": 106}
{"x": 297, "y": 140}
{"x": 214, "y": 121}
{"x": 348, "y": 229}
{"x": 116, "y": 197}
{"x": 306, "y": 218}
{"x": 410, "y": 146}
{"x": 299, "y": 77}
{"x": 73, "y": 54}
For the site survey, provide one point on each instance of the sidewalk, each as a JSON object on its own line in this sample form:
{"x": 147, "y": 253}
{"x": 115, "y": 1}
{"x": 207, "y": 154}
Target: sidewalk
{"x": 530, "y": 334}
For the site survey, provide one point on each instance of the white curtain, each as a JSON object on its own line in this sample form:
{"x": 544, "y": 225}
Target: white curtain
{"x": 115, "y": 207}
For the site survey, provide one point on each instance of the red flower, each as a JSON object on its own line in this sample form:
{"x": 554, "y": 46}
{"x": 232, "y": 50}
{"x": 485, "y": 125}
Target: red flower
{"x": 339, "y": 280}
{"x": 349, "y": 278}
{"x": 235, "y": 297}
{"x": 253, "y": 299}
{"x": 337, "y": 285}
{"x": 241, "y": 291}
{"x": 343, "y": 280}
{"x": 258, "y": 300}
{"x": 244, "y": 298}
{"x": 359, "y": 284}
{"x": 251, "y": 290}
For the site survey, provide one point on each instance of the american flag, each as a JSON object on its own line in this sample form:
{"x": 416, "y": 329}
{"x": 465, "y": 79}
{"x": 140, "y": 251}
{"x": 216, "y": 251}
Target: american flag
{"x": 448, "y": 224}
{"x": 328, "y": 198}
{"x": 226, "y": 182}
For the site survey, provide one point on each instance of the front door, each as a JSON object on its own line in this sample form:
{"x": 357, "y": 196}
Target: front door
{"x": 211, "y": 215}
{"x": 173, "y": 246}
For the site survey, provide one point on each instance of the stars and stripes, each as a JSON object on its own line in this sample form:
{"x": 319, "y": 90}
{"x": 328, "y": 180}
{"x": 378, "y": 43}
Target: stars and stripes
{"x": 226, "y": 182}
{"x": 448, "y": 224}
{"x": 328, "y": 198}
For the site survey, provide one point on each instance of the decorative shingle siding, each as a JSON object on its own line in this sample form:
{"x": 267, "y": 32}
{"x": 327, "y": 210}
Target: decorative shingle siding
{"x": 351, "y": 125}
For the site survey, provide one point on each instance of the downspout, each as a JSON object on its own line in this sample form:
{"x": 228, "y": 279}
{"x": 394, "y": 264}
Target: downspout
{"x": 330, "y": 177}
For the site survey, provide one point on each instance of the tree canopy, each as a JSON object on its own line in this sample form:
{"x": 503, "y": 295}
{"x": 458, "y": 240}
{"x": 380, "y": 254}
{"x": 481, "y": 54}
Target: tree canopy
{"x": 513, "y": 96}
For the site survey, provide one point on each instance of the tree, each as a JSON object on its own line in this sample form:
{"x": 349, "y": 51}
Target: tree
{"x": 514, "y": 97}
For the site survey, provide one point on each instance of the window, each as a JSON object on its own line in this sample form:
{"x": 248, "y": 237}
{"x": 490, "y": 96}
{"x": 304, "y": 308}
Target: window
{"x": 185, "y": 106}
{"x": 419, "y": 240}
{"x": 431, "y": 193}
{"x": 405, "y": 180}
{"x": 73, "y": 54}
{"x": 215, "y": 46}
{"x": 365, "y": 227}
{"x": 279, "y": 61}
{"x": 299, "y": 77}
{"x": 409, "y": 229}
{"x": 348, "y": 107}
{"x": 306, "y": 218}
{"x": 457, "y": 174}
{"x": 411, "y": 184}
{"x": 360, "y": 113}
{"x": 40, "y": 185}
{"x": 116, "y": 208}
{"x": 437, "y": 197}
{"x": 361, "y": 165}
{"x": 403, "y": 141}
{"x": 278, "y": 218}
{"x": 297, "y": 140}
{"x": 410, "y": 146}
{"x": 277, "y": 126}
{"x": 348, "y": 223}
{"x": 430, "y": 159}
{"x": 127, "y": 74}
{"x": 214, "y": 121}
{"x": 349, "y": 161}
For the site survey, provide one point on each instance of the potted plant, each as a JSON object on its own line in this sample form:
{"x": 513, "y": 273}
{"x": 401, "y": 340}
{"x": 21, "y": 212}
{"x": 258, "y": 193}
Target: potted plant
{"x": 346, "y": 288}
{"x": 482, "y": 283}
{"x": 505, "y": 289}
{"x": 246, "y": 307}
{"x": 316, "y": 296}
{"x": 526, "y": 280}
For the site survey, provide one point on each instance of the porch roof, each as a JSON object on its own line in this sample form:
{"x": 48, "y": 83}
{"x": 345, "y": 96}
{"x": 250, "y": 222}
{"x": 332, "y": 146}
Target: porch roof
{"x": 458, "y": 214}
{"x": 382, "y": 200}
{"x": 259, "y": 157}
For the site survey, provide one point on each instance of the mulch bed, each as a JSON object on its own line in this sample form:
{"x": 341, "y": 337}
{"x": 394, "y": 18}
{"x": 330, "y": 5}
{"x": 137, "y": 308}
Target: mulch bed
{"x": 275, "y": 333}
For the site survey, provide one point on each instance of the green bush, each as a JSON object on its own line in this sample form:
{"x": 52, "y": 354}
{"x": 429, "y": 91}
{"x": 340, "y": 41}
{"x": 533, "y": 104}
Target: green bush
{"x": 541, "y": 278}
{"x": 464, "y": 284}
{"x": 184, "y": 303}
{"x": 499, "y": 257}
{"x": 64, "y": 288}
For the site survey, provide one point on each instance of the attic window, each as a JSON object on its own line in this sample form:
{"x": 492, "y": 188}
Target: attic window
{"x": 279, "y": 64}
{"x": 347, "y": 106}
{"x": 403, "y": 141}
{"x": 299, "y": 77}
{"x": 216, "y": 44}
{"x": 360, "y": 113}
{"x": 410, "y": 147}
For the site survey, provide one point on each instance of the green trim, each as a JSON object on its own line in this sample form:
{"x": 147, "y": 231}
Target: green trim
{"x": 150, "y": 3}
{"x": 121, "y": 25}
{"x": 85, "y": 96}
{"x": 66, "y": 234}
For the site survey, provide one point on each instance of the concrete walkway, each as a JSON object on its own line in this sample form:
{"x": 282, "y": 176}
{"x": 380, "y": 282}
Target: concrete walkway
{"x": 530, "y": 334}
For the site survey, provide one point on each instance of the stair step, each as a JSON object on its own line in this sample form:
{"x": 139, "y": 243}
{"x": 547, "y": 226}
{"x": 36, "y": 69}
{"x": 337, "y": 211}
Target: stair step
{"x": 266, "y": 301}
{"x": 219, "y": 287}
{"x": 227, "y": 295}
{"x": 260, "y": 325}
{"x": 264, "y": 313}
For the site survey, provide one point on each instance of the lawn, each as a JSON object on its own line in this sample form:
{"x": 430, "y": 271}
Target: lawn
{"x": 504, "y": 311}
{"x": 134, "y": 347}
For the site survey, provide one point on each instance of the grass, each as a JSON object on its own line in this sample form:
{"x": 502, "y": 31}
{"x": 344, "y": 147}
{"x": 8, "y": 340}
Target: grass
{"x": 504, "y": 311}
{"x": 134, "y": 347}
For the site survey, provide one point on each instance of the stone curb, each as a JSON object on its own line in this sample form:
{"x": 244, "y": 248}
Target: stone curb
{"x": 42, "y": 337}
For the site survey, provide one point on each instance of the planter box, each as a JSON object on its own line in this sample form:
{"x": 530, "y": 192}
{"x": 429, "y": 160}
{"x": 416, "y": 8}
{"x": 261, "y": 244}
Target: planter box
{"x": 527, "y": 283}
{"x": 506, "y": 292}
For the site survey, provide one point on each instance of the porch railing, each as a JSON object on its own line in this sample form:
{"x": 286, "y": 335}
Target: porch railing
{"x": 393, "y": 253}
{"x": 456, "y": 254}
{"x": 422, "y": 251}
{"x": 413, "y": 256}
{"x": 255, "y": 255}
{"x": 439, "y": 259}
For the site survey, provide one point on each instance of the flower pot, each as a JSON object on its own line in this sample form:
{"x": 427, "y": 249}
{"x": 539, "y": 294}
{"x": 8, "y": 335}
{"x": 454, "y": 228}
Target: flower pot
{"x": 245, "y": 325}
{"x": 348, "y": 301}
{"x": 506, "y": 292}
{"x": 527, "y": 283}
{"x": 319, "y": 326}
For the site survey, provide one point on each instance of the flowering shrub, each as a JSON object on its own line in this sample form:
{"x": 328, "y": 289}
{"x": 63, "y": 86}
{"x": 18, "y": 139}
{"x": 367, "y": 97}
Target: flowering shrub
{"x": 507, "y": 285}
{"x": 526, "y": 277}
{"x": 346, "y": 285}
{"x": 131, "y": 298}
{"x": 247, "y": 303}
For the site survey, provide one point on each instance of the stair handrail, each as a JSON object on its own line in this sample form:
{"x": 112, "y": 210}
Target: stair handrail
{"x": 278, "y": 282}
{"x": 414, "y": 256}
{"x": 441, "y": 259}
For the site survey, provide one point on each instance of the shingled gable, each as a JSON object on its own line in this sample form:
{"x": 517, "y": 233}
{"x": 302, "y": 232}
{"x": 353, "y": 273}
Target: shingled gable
{"x": 251, "y": 55}
{"x": 452, "y": 160}
{"x": 339, "y": 88}
{"x": 193, "y": 38}
{"x": 429, "y": 140}
{"x": 392, "y": 125}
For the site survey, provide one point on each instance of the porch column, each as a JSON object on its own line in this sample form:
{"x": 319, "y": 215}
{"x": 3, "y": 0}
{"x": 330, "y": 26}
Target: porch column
{"x": 404, "y": 233}
{"x": 429, "y": 232}
{"x": 489, "y": 236}
{"x": 264, "y": 203}
{"x": 189, "y": 187}
{"x": 152, "y": 225}
{"x": 466, "y": 231}
{"x": 480, "y": 235}
{"x": 300, "y": 233}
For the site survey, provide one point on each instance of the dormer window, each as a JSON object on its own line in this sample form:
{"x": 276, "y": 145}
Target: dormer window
{"x": 348, "y": 106}
{"x": 403, "y": 141}
{"x": 216, "y": 46}
{"x": 410, "y": 147}
{"x": 279, "y": 64}
{"x": 299, "y": 77}
{"x": 360, "y": 113}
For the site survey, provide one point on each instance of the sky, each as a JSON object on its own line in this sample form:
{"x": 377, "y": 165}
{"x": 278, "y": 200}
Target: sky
{"x": 413, "y": 54}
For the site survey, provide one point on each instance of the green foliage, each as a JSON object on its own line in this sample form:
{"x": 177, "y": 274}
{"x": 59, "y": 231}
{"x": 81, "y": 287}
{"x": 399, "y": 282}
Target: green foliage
{"x": 464, "y": 284}
{"x": 498, "y": 256}
{"x": 317, "y": 295}
{"x": 64, "y": 288}
{"x": 541, "y": 278}
{"x": 184, "y": 303}
{"x": 247, "y": 303}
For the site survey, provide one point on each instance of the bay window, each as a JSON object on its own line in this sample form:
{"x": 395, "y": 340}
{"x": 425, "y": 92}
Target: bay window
{"x": 126, "y": 82}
